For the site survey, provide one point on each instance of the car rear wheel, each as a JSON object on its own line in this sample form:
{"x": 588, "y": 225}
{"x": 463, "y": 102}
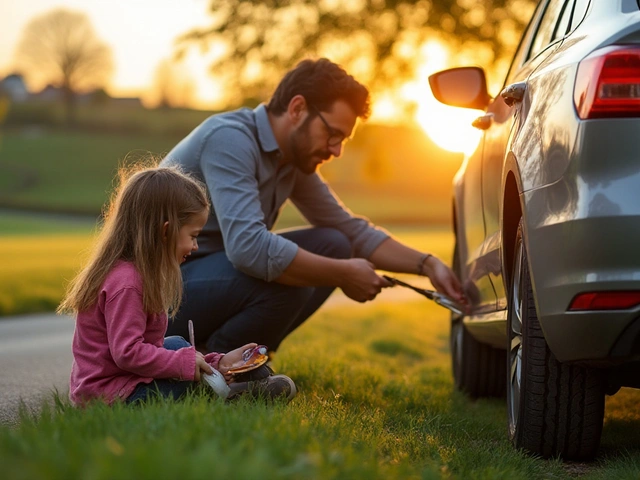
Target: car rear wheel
{"x": 478, "y": 369}
{"x": 554, "y": 409}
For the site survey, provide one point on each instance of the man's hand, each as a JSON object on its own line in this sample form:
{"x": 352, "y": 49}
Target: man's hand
{"x": 360, "y": 281}
{"x": 201, "y": 366}
{"x": 444, "y": 280}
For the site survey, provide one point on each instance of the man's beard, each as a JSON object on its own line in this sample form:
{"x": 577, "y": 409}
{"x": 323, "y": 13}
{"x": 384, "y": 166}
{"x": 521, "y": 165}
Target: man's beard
{"x": 301, "y": 156}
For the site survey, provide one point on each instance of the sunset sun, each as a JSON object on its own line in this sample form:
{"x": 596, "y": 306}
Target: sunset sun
{"x": 448, "y": 127}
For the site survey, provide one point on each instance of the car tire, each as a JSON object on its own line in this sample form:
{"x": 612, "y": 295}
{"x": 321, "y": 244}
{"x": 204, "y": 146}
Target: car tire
{"x": 554, "y": 409}
{"x": 478, "y": 369}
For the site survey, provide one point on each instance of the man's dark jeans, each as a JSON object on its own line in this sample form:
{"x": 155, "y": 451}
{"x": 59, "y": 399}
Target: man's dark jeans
{"x": 230, "y": 308}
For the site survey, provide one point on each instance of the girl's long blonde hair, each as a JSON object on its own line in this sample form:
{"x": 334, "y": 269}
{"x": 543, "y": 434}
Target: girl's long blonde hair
{"x": 133, "y": 231}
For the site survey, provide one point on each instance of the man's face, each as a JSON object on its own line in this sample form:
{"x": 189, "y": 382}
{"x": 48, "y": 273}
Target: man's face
{"x": 309, "y": 141}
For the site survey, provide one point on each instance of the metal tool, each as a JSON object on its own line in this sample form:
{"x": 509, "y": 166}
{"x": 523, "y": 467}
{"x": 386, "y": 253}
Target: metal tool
{"x": 439, "y": 298}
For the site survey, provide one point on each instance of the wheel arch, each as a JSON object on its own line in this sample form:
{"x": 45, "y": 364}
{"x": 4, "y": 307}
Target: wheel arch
{"x": 511, "y": 215}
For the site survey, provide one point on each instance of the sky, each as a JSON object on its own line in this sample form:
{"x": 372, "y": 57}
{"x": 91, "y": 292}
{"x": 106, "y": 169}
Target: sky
{"x": 141, "y": 33}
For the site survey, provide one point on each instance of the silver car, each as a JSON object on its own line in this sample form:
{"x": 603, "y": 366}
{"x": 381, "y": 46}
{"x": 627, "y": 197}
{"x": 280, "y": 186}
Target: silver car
{"x": 547, "y": 221}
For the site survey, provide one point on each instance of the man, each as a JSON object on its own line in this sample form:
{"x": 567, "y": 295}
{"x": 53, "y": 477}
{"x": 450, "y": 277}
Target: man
{"x": 246, "y": 283}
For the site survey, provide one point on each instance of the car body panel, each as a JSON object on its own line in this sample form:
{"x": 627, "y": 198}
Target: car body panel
{"x": 577, "y": 185}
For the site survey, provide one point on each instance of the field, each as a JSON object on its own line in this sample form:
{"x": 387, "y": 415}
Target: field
{"x": 66, "y": 171}
{"x": 391, "y": 175}
{"x": 375, "y": 401}
{"x": 41, "y": 253}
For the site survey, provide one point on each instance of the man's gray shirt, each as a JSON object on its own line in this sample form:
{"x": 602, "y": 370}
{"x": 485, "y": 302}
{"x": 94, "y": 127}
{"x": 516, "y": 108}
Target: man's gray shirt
{"x": 237, "y": 156}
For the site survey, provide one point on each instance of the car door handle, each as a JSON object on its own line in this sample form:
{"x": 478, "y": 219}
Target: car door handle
{"x": 483, "y": 122}
{"x": 514, "y": 93}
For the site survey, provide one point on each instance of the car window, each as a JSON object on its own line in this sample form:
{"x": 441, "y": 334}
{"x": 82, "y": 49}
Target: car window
{"x": 562, "y": 26}
{"x": 544, "y": 34}
{"x": 579, "y": 11}
{"x": 521, "y": 54}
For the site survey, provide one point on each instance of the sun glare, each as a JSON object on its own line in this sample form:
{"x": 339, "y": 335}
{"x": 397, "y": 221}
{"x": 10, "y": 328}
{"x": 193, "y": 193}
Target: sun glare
{"x": 448, "y": 127}
{"x": 384, "y": 109}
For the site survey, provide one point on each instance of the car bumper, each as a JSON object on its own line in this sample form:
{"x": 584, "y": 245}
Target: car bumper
{"x": 586, "y": 255}
{"x": 582, "y": 234}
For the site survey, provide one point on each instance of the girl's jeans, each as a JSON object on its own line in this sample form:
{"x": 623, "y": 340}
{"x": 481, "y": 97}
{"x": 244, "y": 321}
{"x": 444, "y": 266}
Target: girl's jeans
{"x": 164, "y": 387}
{"x": 230, "y": 309}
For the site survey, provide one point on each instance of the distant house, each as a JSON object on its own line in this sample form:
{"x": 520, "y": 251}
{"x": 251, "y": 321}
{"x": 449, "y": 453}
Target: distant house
{"x": 14, "y": 87}
{"x": 49, "y": 93}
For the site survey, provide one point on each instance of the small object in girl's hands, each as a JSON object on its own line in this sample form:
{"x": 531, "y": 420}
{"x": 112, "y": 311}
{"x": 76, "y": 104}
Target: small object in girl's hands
{"x": 192, "y": 338}
{"x": 217, "y": 383}
{"x": 251, "y": 358}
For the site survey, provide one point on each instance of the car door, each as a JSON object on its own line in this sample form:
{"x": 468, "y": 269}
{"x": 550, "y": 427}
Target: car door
{"x": 543, "y": 36}
{"x": 470, "y": 231}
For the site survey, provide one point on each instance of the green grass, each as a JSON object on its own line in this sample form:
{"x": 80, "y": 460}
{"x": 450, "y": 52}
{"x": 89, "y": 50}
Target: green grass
{"x": 67, "y": 171}
{"x": 28, "y": 224}
{"x": 40, "y": 254}
{"x": 375, "y": 401}
{"x": 401, "y": 180}
{"x": 35, "y": 270}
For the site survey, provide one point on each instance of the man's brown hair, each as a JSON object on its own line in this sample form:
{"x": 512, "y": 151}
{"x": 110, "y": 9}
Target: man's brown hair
{"x": 321, "y": 82}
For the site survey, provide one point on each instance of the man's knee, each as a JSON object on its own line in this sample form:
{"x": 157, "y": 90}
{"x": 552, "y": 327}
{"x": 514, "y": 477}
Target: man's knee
{"x": 339, "y": 244}
{"x": 325, "y": 241}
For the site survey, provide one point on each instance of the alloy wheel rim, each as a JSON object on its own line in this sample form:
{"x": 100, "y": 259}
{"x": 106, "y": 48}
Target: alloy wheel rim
{"x": 516, "y": 314}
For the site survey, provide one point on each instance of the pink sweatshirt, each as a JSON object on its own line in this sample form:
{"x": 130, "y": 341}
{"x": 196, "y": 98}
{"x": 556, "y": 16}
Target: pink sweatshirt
{"x": 117, "y": 345}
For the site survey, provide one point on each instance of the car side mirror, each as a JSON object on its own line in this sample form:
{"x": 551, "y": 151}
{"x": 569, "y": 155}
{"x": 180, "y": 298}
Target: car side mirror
{"x": 464, "y": 87}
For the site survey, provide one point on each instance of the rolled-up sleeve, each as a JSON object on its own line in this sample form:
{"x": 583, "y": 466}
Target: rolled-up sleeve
{"x": 228, "y": 161}
{"x": 322, "y": 208}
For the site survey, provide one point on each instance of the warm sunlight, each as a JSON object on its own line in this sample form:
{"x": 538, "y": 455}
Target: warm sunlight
{"x": 449, "y": 127}
{"x": 138, "y": 49}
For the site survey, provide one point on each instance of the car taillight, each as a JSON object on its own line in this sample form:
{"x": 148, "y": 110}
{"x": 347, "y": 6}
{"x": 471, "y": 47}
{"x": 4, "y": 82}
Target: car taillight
{"x": 608, "y": 83}
{"x": 604, "y": 301}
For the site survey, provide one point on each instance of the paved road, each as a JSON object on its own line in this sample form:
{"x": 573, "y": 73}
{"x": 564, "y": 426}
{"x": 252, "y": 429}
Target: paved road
{"x": 35, "y": 358}
{"x": 35, "y": 355}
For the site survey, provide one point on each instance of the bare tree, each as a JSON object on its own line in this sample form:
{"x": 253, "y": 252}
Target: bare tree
{"x": 378, "y": 40}
{"x": 62, "y": 48}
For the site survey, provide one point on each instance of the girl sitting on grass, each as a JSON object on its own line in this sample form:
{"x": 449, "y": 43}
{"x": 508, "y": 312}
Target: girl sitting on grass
{"x": 131, "y": 284}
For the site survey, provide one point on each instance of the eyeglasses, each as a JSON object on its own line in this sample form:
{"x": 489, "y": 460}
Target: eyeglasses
{"x": 336, "y": 137}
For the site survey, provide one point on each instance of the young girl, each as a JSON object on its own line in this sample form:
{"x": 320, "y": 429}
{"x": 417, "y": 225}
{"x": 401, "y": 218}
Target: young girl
{"x": 122, "y": 298}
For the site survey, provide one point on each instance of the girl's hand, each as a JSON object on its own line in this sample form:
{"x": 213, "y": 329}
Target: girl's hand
{"x": 233, "y": 359}
{"x": 201, "y": 366}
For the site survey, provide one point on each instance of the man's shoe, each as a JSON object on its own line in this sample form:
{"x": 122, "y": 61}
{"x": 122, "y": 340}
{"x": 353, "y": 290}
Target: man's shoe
{"x": 269, "y": 388}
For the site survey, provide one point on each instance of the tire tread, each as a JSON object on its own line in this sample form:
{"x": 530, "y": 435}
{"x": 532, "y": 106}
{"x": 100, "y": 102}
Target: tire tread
{"x": 563, "y": 409}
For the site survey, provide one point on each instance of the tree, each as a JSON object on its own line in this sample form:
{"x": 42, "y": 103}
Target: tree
{"x": 377, "y": 40}
{"x": 62, "y": 48}
{"x": 172, "y": 87}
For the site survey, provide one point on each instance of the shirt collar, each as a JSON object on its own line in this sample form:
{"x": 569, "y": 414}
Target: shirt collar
{"x": 265, "y": 132}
